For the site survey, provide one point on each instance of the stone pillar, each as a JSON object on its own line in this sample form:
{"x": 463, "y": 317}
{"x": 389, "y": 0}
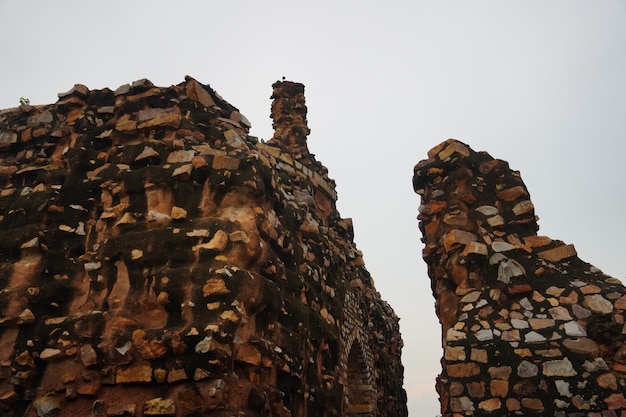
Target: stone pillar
{"x": 289, "y": 118}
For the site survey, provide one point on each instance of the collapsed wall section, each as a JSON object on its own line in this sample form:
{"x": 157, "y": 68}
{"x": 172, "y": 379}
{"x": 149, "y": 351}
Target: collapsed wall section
{"x": 528, "y": 328}
{"x": 156, "y": 259}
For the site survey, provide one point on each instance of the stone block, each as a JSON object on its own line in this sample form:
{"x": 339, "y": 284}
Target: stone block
{"x": 558, "y": 254}
{"x": 457, "y": 237}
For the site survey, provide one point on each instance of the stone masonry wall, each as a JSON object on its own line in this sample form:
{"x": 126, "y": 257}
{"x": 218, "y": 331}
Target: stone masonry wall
{"x": 528, "y": 328}
{"x": 157, "y": 260}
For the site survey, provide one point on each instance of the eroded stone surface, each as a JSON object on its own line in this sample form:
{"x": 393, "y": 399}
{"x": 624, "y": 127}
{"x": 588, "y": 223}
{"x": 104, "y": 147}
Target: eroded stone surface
{"x": 156, "y": 259}
{"x": 551, "y": 326}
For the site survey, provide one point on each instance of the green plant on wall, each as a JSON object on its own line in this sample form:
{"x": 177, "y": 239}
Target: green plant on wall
{"x": 24, "y": 101}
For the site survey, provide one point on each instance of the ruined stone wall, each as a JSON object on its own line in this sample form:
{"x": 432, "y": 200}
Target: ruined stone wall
{"x": 156, "y": 259}
{"x": 528, "y": 328}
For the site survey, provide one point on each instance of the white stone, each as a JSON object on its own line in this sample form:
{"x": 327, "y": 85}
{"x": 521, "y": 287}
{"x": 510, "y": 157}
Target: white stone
{"x": 573, "y": 328}
{"x": 233, "y": 139}
{"x": 50, "y": 353}
{"x": 598, "y": 304}
{"x": 156, "y": 216}
{"x": 495, "y": 221}
{"x": 560, "y": 313}
{"x": 34, "y": 242}
{"x": 124, "y": 348}
{"x": 484, "y": 334}
{"x": 487, "y": 210}
{"x": 204, "y": 345}
{"x": 559, "y": 368}
{"x": 534, "y": 337}
{"x": 499, "y": 246}
{"x": 471, "y": 297}
{"x": 519, "y": 324}
{"x": 596, "y": 365}
{"x": 563, "y": 388}
{"x": 527, "y": 369}
{"x": 509, "y": 269}
{"x": 526, "y": 304}
{"x": 92, "y": 266}
{"x": 497, "y": 258}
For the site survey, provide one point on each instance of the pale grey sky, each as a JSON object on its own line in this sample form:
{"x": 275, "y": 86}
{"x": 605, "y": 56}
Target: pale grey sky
{"x": 540, "y": 84}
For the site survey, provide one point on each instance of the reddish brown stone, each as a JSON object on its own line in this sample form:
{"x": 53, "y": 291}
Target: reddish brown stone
{"x": 615, "y": 401}
{"x": 89, "y": 389}
{"x": 558, "y": 254}
{"x": 534, "y": 404}
{"x": 456, "y": 237}
{"x": 490, "y": 405}
{"x": 456, "y": 389}
{"x": 476, "y": 389}
{"x": 519, "y": 289}
{"x": 434, "y": 207}
{"x": 582, "y": 345}
{"x": 570, "y": 298}
{"x": 463, "y": 370}
{"x": 139, "y": 373}
{"x": 512, "y": 193}
{"x": 607, "y": 380}
{"x": 537, "y": 241}
{"x": 197, "y": 92}
{"x": 499, "y": 387}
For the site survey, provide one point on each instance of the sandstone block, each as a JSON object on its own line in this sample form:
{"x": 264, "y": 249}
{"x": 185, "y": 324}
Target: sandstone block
{"x": 513, "y": 193}
{"x": 463, "y": 370}
{"x": 158, "y": 117}
{"x": 534, "y": 404}
{"x": 499, "y": 388}
{"x": 138, "y": 373}
{"x": 598, "y": 304}
{"x": 558, "y": 254}
{"x": 452, "y": 148}
{"x": 215, "y": 286}
{"x": 558, "y": 368}
{"x": 248, "y": 353}
{"x": 197, "y": 92}
{"x": 615, "y": 401}
{"x": 461, "y": 404}
{"x": 527, "y": 369}
{"x": 159, "y": 407}
{"x": 523, "y": 207}
{"x": 490, "y": 405}
{"x": 225, "y": 162}
{"x": 7, "y": 139}
{"x": 537, "y": 241}
{"x": 457, "y": 237}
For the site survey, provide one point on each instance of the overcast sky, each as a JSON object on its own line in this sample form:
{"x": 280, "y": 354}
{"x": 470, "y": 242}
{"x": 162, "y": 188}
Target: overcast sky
{"x": 540, "y": 84}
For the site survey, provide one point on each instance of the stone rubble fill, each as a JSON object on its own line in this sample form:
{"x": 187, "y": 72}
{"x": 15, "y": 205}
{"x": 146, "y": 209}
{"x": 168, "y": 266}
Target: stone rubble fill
{"x": 550, "y": 328}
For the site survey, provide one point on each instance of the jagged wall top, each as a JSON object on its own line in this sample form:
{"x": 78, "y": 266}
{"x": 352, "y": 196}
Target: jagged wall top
{"x": 146, "y": 240}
